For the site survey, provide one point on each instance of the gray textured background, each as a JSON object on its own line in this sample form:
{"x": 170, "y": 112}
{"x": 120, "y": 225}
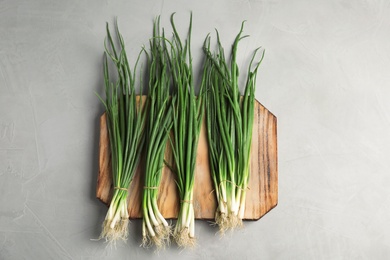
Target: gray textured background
{"x": 325, "y": 76}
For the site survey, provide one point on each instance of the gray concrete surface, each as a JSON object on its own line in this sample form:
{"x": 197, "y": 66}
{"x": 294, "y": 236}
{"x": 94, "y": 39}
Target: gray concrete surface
{"x": 325, "y": 76}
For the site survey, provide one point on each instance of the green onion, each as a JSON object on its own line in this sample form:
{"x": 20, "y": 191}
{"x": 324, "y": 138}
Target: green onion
{"x": 187, "y": 118}
{"x": 125, "y": 123}
{"x": 229, "y": 120}
{"x": 156, "y": 229}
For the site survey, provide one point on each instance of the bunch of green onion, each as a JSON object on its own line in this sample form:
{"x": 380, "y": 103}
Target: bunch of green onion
{"x": 125, "y": 123}
{"x": 130, "y": 123}
{"x": 187, "y": 118}
{"x": 155, "y": 228}
{"x": 229, "y": 120}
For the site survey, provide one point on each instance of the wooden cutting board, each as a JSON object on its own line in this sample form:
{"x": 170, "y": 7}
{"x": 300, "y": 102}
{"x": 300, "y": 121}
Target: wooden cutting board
{"x": 262, "y": 194}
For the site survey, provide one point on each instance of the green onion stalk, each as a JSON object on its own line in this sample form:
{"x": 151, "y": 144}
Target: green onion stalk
{"x": 125, "y": 123}
{"x": 187, "y": 118}
{"x": 229, "y": 120}
{"x": 155, "y": 228}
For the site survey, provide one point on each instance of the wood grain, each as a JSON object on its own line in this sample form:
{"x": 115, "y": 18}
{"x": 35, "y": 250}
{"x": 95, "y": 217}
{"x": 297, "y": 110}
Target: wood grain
{"x": 262, "y": 195}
